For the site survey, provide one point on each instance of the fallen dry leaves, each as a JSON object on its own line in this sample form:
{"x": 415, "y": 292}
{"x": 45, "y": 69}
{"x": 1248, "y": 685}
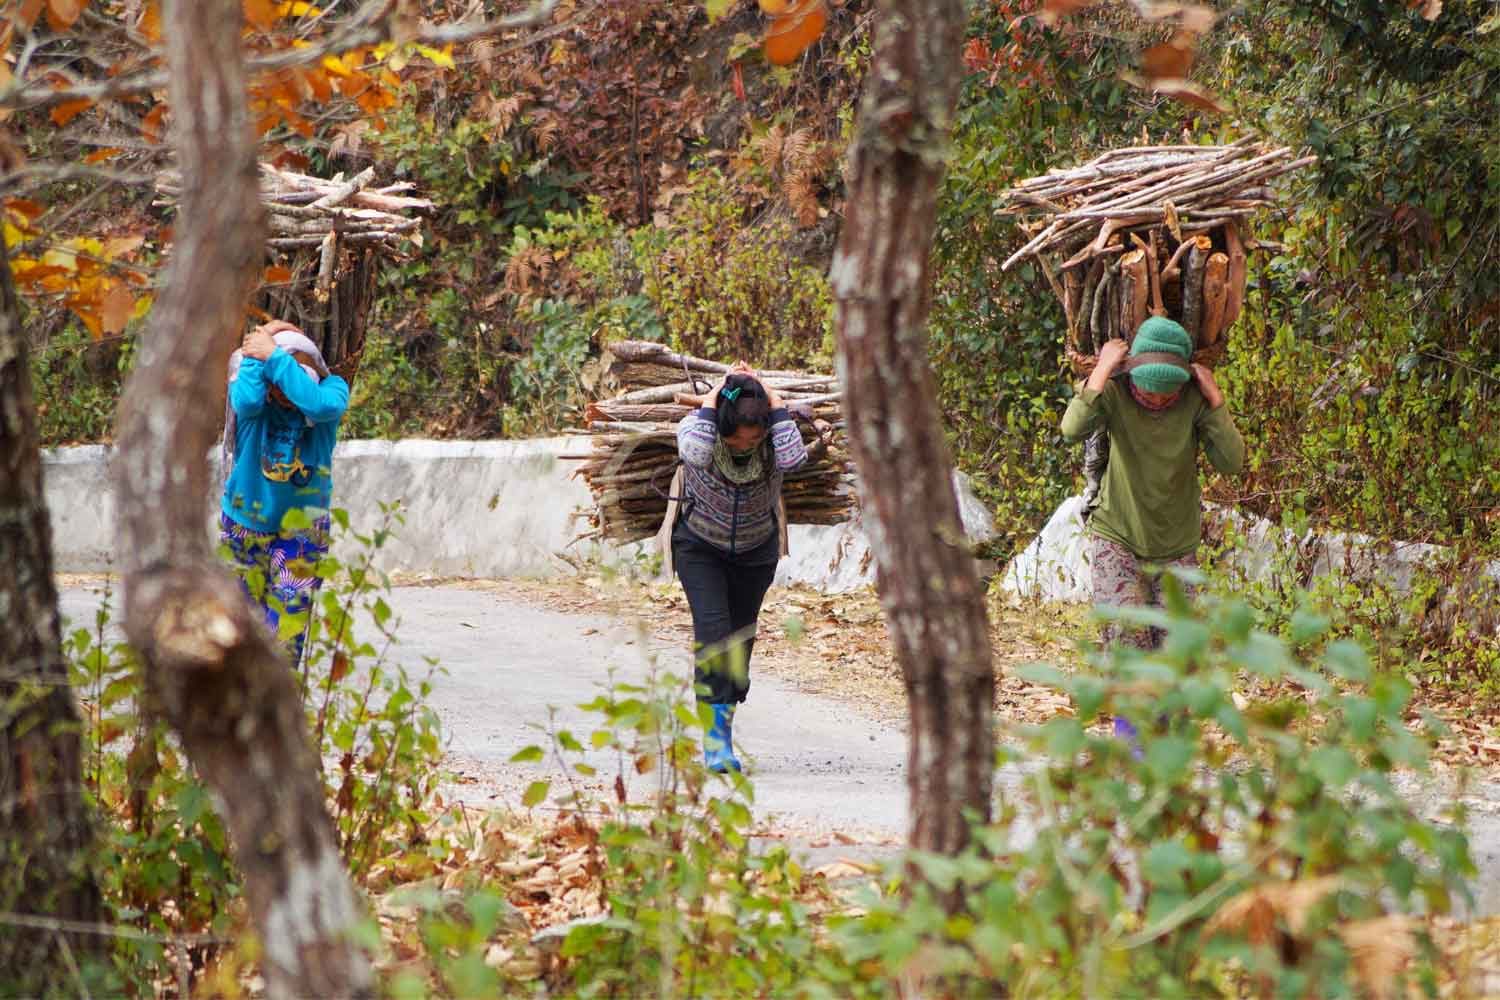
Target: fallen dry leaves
{"x": 550, "y": 873}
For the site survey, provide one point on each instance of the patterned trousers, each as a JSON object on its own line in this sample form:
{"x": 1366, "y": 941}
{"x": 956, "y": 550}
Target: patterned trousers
{"x": 289, "y": 568}
{"x": 1120, "y": 579}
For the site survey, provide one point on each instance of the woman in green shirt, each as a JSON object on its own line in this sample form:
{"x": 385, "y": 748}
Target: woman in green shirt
{"x": 1149, "y": 512}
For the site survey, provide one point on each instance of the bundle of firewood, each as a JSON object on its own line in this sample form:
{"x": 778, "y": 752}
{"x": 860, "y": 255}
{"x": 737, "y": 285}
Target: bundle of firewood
{"x": 326, "y": 238}
{"x": 1149, "y": 230}
{"x": 632, "y": 440}
{"x": 305, "y": 212}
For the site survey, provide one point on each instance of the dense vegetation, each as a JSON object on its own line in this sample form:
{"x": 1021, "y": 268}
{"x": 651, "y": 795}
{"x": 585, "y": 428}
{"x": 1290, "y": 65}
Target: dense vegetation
{"x": 642, "y": 173}
{"x": 1254, "y": 848}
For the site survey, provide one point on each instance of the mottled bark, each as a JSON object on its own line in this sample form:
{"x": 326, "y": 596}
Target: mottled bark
{"x": 929, "y": 584}
{"x": 210, "y": 665}
{"x": 46, "y": 832}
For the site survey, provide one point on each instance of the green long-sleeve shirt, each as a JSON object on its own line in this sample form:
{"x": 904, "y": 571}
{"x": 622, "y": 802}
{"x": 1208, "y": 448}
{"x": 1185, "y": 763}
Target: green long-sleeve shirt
{"x": 1150, "y": 501}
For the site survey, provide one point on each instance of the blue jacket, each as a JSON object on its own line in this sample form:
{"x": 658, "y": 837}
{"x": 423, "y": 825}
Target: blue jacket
{"x": 283, "y": 459}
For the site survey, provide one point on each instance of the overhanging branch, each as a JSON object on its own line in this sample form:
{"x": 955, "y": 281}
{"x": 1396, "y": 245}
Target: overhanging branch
{"x": 373, "y": 25}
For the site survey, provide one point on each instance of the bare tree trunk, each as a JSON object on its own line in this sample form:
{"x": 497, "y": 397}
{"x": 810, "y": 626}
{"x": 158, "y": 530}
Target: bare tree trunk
{"x": 929, "y": 584}
{"x": 210, "y": 664}
{"x": 46, "y": 832}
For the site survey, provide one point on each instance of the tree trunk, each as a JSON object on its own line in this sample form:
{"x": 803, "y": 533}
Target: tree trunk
{"x": 45, "y": 830}
{"x": 929, "y": 584}
{"x": 210, "y": 664}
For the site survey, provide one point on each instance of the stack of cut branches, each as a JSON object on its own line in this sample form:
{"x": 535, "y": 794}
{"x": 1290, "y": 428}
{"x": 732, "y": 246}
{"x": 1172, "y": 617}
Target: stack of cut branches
{"x": 632, "y": 440}
{"x": 1149, "y": 230}
{"x": 326, "y": 238}
{"x": 303, "y": 212}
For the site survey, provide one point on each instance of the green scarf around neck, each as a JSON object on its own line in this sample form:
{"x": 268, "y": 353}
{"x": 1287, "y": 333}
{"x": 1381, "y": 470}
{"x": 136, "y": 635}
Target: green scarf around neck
{"x": 739, "y": 473}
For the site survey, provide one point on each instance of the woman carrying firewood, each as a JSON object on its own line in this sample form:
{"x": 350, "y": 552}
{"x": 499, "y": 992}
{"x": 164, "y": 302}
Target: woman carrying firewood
{"x": 280, "y": 426}
{"x": 1157, "y": 416}
{"x": 726, "y": 530}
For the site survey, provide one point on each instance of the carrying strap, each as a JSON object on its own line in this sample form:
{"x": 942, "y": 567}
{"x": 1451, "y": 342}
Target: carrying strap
{"x": 664, "y": 533}
{"x": 1153, "y": 358}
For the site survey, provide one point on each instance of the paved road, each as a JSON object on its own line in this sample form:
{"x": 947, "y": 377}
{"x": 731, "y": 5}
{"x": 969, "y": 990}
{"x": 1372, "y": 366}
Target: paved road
{"x": 815, "y": 762}
{"x": 824, "y": 774}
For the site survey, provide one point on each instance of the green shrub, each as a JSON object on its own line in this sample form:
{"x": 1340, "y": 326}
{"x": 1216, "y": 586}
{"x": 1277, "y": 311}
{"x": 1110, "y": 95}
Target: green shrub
{"x": 726, "y": 288}
{"x": 1244, "y": 844}
{"x": 77, "y": 382}
{"x": 692, "y": 905}
{"x": 162, "y": 855}
{"x": 473, "y": 170}
{"x": 1248, "y": 846}
{"x": 1441, "y": 627}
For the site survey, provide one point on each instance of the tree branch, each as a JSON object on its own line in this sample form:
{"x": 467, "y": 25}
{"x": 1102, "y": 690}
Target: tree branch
{"x": 371, "y": 26}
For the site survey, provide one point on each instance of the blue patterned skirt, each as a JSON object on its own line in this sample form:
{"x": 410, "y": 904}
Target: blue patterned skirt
{"x": 289, "y": 567}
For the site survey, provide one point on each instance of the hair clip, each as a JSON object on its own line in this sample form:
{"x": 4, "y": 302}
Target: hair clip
{"x": 733, "y": 394}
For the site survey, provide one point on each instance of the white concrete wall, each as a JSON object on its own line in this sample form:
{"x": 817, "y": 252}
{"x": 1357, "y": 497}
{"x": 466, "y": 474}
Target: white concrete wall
{"x": 472, "y": 508}
{"x": 1054, "y": 567}
{"x": 81, "y": 501}
{"x": 837, "y": 558}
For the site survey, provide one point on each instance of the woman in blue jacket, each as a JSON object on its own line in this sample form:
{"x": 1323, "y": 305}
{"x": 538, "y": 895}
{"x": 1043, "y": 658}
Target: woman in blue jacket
{"x": 280, "y": 427}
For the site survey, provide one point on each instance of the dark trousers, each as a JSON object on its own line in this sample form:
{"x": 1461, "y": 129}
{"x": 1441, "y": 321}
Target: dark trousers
{"x": 725, "y": 594}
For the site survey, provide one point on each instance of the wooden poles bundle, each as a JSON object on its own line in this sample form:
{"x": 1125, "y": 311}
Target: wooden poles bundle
{"x": 1149, "y": 230}
{"x": 326, "y": 237}
{"x": 631, "y": 440}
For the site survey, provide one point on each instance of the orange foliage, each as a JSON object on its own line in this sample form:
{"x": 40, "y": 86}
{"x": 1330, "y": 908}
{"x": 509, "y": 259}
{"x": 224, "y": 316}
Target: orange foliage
{"x": 95, "y": 276}
{"x": 792, "y": 32}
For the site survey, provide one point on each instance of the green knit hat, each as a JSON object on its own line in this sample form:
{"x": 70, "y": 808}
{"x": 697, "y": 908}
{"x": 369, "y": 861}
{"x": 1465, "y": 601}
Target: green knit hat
{"x": 1160, "y": 334}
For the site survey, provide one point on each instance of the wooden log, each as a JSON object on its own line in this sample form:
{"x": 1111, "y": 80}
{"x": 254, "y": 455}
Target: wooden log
{"x": 306, "y": 242}
{"x": 1237, "y": 276}
{"x": 670, "y": 413}
{"x": 391, "y": 203}
{"x": 1091, "y": 284}
{"x": 1199, "y": 248}
{"x": 644, "y": 351}
{"x": 632, "y": 441}
{"x": 327, "y": 257}
{"x": 1173, "y": 270}
{"x": 1098, "y": 325}
{"x": 1153, "y": 268}
{"x": 1138, "y": 171}
{"x": 1089, "y": 254}
{"x": 1097, "y": 246}
{"x": 1190, "y": 184}
{"x": 644, "y": 375}
{"x": 1052, "y": 230}
{"x": 1072, "y": 302}
{"x": 1215, "y": 297}
{"x": 1134, "y": 292}
{"x": 1114, "y": 309}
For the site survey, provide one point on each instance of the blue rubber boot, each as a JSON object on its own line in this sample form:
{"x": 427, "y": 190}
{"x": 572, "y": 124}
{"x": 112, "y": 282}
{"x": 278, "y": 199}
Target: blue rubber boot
{"x": 1124, "y": 730}
{"x": 718, "y": 750}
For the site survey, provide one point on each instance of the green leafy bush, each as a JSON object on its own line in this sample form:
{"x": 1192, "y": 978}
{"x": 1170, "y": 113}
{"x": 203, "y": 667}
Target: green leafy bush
{"x": 1259, "y": 845}
{"x": 726, "y": 288}
{"x": 1439, "y": 626}
{"x": 692, "y": 905}
{"x": 162, "y": 856}
{"x": 77, "y": 382}
{"x": 1241, "y": 844}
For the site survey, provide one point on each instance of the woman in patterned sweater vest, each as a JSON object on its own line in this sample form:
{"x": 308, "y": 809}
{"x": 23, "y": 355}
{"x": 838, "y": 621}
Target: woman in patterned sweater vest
{"x": 729, "y": 535}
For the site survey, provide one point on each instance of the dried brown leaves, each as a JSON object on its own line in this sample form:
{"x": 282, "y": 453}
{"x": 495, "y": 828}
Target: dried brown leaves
{"x": 1164, "y": 66}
